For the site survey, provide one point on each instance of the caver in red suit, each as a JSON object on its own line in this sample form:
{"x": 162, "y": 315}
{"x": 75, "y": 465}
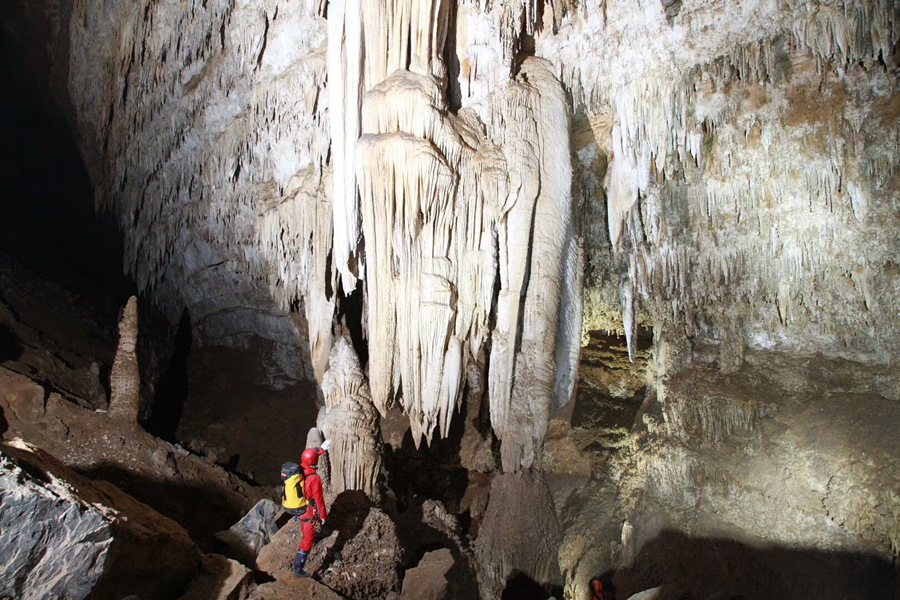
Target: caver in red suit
{"x": 317, "y": 512}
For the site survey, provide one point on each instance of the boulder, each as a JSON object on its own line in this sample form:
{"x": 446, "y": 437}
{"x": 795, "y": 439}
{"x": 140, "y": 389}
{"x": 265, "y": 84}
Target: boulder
{"x": 65, "y": 536}
{"x": 221, "y": 578}
{"x": 247, "y": 537}
{"x": 428, "y": 581}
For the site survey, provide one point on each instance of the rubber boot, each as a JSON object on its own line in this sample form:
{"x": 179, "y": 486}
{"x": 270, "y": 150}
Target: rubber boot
{"x": 299, "y": 561}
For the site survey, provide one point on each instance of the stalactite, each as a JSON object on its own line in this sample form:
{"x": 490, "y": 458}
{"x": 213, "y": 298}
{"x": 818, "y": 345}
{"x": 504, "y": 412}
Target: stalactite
{"x": 211, "y": 135}
{"x": 345, "y": 74}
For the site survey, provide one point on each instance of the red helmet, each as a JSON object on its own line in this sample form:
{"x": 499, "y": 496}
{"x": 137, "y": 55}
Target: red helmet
{"x": 310, "y": 457}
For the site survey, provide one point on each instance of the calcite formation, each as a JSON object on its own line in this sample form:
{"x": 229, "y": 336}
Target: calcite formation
{"x": 381, "y": 180}
{"x": 125, "y": 376}
{"x": 491, "y": 180}
{"x": 351, "y": 423}
{"x": 733, "y": 178}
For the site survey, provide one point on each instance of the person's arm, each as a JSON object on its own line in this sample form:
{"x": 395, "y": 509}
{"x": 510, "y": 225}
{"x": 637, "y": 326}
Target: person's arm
{"x": 315, "y": 491}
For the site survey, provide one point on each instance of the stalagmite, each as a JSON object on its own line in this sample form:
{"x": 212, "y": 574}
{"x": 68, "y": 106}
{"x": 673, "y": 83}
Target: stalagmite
{"x": 351, "y": 423}
{"x": 125, "y": 377}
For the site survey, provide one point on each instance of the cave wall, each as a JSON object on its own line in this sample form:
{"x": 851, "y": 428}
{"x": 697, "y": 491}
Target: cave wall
{"x": 722, "y": 174}
{"x": 733, "y": 170}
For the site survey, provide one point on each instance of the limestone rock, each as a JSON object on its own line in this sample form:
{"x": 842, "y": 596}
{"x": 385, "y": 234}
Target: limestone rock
{"x": 428, "y": 581}
{"x": 66, "y": 536}
{"x": 125, "y": 376}
{"x": 221, "y": 579}
{"x": 247, "y": 537}
{"x": 520, "y": 533}
{"x": 204, "y": 497}
{"x": 51, "y": 545}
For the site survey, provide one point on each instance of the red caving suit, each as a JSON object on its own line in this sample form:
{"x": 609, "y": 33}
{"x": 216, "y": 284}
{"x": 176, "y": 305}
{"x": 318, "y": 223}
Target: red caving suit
{"x": 312, "y": 490}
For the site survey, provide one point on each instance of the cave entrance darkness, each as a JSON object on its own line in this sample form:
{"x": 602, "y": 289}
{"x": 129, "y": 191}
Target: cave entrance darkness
{"x": 49, "y": 223}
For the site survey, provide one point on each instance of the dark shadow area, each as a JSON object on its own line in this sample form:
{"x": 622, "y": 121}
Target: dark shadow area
{"x": 10, "y": 346}
{"x": 49, "y": 223}
{"x": 418, "y": 538}
{"x": 350, "y": 315}
{"x": 346, "y": 517}
{"x": 172, "y": 389}
{"x": 451, "y": 60}
{"x": 703, "y": 568}
{"x": 672, "y": 8}
{"x": 430, "y": 471}
{"x": 202, "y": 510}
{"x": 522, "y": 587}
{"x": 236, "y": 417}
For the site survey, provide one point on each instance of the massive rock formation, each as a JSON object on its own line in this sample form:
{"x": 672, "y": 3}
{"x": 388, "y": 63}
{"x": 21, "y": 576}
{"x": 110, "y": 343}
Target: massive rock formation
{"x": 435, "y": 170}
{"x": 520, "y": 533}
{"x": 66, "y": 536}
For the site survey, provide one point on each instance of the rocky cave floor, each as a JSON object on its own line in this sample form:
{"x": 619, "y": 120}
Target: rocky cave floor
{"x": 432, "y": 533}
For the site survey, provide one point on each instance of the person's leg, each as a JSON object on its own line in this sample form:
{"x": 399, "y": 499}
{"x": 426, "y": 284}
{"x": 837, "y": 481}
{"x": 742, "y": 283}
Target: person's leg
{"x": 306, "y": 544}
{"x": 299, "y": 561}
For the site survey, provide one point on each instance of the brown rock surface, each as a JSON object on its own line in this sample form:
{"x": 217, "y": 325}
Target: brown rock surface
{"x": 428, "y": 581}
{"x": 294, "y": 589}
{"x": 221, "y": 578}
{"x": 520, "y": 533}
{"x": 370, "y": 552}
{"x": 180, "y": 485}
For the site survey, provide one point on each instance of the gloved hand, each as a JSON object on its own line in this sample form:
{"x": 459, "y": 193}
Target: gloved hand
{"x": 326, "y": 445}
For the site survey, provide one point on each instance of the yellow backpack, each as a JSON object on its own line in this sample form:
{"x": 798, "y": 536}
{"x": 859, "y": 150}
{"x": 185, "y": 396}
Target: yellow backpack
{"x": 293, "y": 500}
